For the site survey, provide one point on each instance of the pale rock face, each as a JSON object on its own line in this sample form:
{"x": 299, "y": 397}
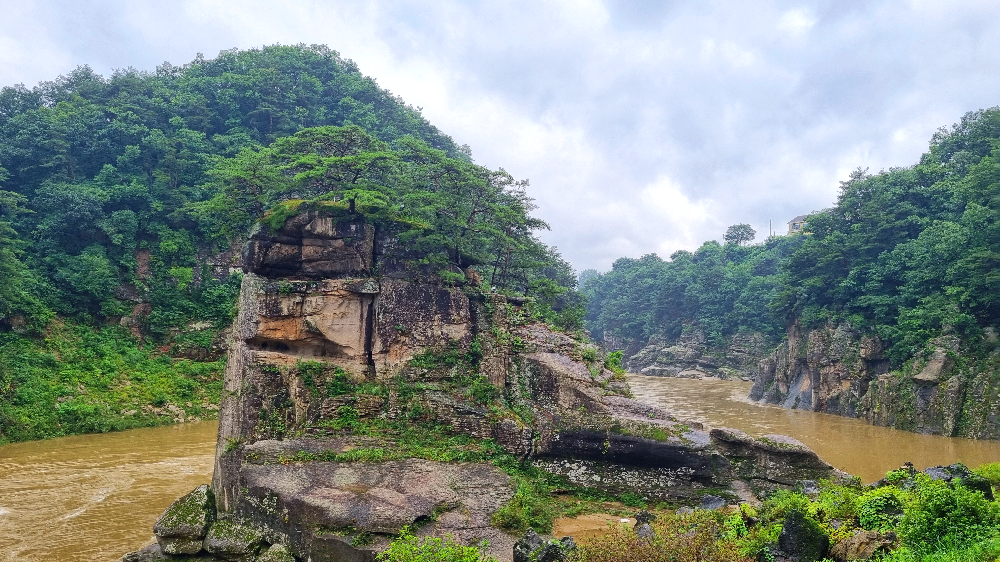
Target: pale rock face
{"x": 312, "y": 309}
{"x": 837, "y": 371}
{"x": 690, "y": 356}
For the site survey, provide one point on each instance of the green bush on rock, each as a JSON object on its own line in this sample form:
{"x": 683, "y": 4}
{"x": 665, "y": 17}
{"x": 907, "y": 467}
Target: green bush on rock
{"x": 947, "y": 517}
{"x": 410, "y": 548}
{"x": 880, "y": 509}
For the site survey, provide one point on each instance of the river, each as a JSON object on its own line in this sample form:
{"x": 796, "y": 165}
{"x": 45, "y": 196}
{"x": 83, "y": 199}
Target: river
{"x": 849, "y": 444}
{"x": 91, "y": 498}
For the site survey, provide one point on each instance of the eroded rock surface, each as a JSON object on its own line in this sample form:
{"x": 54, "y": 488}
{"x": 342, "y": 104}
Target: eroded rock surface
{"x": 838, "y": 371}
{"x": 182, "y": 527}
{"x": 322, "y": 345}
{"x": 691, "y": 356}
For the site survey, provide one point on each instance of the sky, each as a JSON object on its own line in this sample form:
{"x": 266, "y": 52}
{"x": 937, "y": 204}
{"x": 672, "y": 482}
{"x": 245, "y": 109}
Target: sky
{"x": 643, "y": 126}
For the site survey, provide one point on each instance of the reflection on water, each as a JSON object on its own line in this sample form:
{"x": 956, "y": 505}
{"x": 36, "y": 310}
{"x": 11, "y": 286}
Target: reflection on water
{"x": 95, "y": 497}
{"x": 848, "y": 444}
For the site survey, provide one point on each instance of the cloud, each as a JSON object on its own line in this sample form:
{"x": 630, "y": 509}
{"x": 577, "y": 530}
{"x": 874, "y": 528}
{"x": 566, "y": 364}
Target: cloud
{"x": 796, "y": 21}
{"x": 644, "y": 125}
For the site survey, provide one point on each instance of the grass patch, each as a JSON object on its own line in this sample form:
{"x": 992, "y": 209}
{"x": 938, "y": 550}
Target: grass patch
{"x": 80, "y": 379}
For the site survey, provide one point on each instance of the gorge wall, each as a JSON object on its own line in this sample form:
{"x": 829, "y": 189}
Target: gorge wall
{"x": 691, "y": 356}
{"x": 357, "y": 404}
{"x": 838, "y": 371}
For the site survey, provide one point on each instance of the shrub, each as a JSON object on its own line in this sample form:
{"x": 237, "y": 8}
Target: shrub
{"x": 530, "y": 507}
{"x": 947, "y": 517}
{"x": 782, "y": 503}
{"x": 409, "y": 548}
{"x": 990, "y": 472}
{"x": 613, "y": 361}
{"x": 879, "y": 509}
{"x": 836, "y": 502}
{"x": 678, "y": 539}
{"x": 987, "y": 551}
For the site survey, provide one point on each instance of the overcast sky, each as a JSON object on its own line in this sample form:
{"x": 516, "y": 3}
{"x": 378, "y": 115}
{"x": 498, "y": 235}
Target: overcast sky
{"x": 644, "y": 126}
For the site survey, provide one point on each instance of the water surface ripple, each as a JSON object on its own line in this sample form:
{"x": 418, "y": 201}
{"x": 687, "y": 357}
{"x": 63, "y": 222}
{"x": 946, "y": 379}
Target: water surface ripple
{"x": 94, "y": 497}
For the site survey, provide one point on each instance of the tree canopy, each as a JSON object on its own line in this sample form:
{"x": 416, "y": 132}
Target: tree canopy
{"x": 907, "y": 254}
{"x": 723, "y": 289}
{"x": 117, "y": 190}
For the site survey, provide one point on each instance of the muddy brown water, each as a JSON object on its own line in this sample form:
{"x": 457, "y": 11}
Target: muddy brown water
{"x": 95, "y": 497}
{"x": 849, "y": 444}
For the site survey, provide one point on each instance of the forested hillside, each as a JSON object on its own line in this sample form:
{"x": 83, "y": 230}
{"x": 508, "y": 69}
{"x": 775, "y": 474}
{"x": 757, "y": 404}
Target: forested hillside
{"x": 724, "y": 289}
{"x": 912, "y": 252}
{"x": 889, "y": 303}
{"x": 124, "y": 200}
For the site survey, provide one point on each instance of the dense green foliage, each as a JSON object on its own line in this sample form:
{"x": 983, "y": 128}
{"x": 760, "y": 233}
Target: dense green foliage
{"x": 135, "y": 179}
{"x": 78, "y": 379}
{"x": 933, "y": 520}
{"x": 120, "y": 196}
{"x": 907, "y": 254}
{"x": 111, "y": 182}
{"x": 447, "y": 212}
{"x": 409, "y": 548}
{"x": 910, "y": 252}
{"x": 700, "y": 537}
{"x": 724, "y": 289}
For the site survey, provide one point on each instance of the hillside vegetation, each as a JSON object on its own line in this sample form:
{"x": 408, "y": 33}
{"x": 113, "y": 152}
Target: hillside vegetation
{"x": 124, "y": 201}
{"x": 906, "y": 254}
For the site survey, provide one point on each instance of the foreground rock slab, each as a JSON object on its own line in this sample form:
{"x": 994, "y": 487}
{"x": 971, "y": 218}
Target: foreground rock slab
{"x": 343, "y": 343}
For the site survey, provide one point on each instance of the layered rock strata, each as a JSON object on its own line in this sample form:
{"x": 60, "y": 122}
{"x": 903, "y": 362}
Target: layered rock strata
{"x": 690, "y": 356}
{"x": 837, "y": 370}
{"x": 322, "y": 345}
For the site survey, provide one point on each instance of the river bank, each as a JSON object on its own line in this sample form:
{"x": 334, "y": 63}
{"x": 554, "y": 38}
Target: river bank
{"x": 850, "y": 444}
{"x": 95, "y": 497}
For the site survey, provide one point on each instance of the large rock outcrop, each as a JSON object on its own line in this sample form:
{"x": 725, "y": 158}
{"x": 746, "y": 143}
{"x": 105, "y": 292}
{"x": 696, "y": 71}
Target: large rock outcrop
{"x": 837, "y": 370}
{"x": 691, "y": 356}
{"x": 333, "y": 371}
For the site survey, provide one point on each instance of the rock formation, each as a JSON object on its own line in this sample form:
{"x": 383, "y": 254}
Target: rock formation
{"x": 342, "y": 342}
{"x": 838, "y": 371}
{"x": 690, "y": 356}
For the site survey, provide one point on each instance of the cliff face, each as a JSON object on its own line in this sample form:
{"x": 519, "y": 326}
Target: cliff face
{"x": 691, "y": 356}
{"x": 835, "y": 370}
{"x": 325, "y": 356}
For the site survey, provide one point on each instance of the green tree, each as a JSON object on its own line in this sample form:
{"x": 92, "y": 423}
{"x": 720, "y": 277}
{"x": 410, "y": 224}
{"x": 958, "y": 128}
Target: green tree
{"x": 739, "y": 234}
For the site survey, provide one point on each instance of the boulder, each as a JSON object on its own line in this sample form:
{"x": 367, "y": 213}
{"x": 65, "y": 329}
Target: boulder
{"x": 277, "y": 553}
{"x": 183, "y": 525}
{"x": 532, "y": 548}
{"x": 233, "y": 541}
{"x": 643, "y": 525}
{"x": 644, "y": 517}
{"x": 346, "y": 511}
{"x": 153, "y": 553}
{"x": 709, "y": 501}
{"x": 527, "y": 545}
{"x": 959, "y": 473}
{"x": 807, "y": 487}
{"x": 802, "y": 539}
{"x": 863, "y": 545}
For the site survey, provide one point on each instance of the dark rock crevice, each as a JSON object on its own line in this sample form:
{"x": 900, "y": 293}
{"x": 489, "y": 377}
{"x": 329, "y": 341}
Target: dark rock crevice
{"x": 570, "y": 417}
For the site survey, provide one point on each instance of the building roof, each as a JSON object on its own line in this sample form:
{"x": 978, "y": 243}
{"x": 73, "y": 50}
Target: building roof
{"x": 800, "y": 218}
